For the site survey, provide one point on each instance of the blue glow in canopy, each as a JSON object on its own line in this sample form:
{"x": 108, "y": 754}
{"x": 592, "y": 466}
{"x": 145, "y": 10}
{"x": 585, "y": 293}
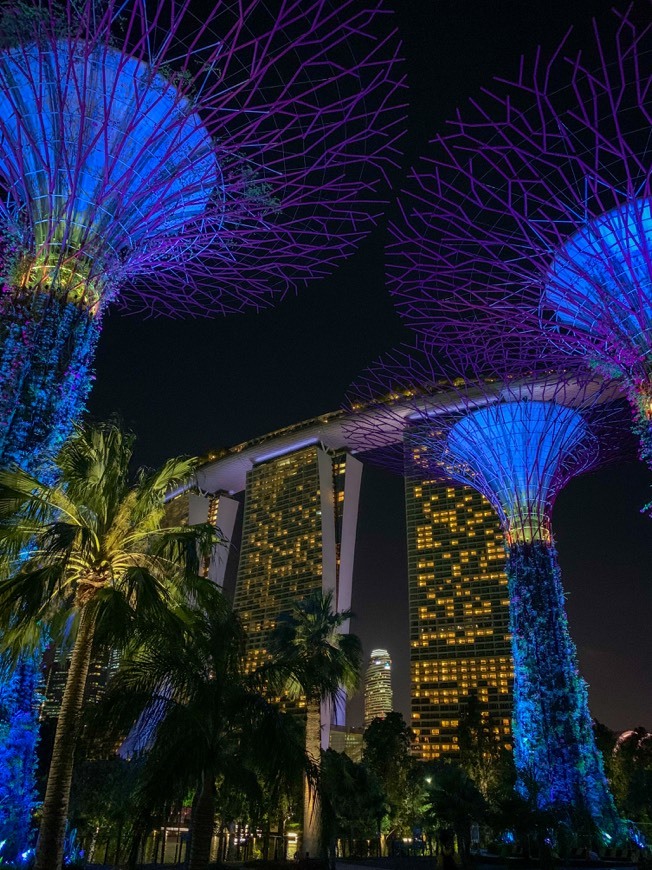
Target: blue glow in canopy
{"x": 601, "y": 279}
{"x": 513, "y": 454}
{"x": 117, "y": 157}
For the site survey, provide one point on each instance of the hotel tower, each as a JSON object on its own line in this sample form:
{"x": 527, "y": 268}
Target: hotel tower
{"x": 300, "y": 518}
{"x": 296, "y": 533}
{"x": 459, "y": 615}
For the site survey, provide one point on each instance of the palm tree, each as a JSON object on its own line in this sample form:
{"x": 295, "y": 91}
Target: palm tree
{"x": 204, "y": 722}
{"x": 316, "y": 660}
{"x": 91, "y": 558}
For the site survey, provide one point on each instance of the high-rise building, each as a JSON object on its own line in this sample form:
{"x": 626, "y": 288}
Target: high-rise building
{"x": 56, "y": 664}
{"x": 298, "y": 535}
{"x": 220, "y": 510}
{"x": 377, "y": 687}
{"x": 459, "y": 615}
{"x": 348, "y": 740}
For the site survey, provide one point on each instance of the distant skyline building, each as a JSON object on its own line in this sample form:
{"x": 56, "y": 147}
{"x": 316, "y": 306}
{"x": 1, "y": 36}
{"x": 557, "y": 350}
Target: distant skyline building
{"x": 378, "y": 698}
{"x": 459, "y": 614}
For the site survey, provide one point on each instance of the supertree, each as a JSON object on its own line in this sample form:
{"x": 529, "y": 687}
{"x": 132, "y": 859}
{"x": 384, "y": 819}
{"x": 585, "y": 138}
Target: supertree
{"x": 517, "y": 435}
{"x": 18, "y": 739}
{"x": 534, "y": 211}
{"x": 175, "y": 165}
{"x": 166, "y": 163}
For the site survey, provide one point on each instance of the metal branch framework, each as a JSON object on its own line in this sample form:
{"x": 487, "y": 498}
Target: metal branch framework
{"x": 516, "y": 434}
{"x": 535, "y": 210}
{"x": 233, "y": 157}
{"x": 178, "y": 166}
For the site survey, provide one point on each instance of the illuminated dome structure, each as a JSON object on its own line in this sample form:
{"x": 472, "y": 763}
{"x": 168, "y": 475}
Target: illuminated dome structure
{"x": 176, "y": 166}
{"x": 534, "y": 212}
{"x": 517, "y": 440}
{"x": 600, "y": 281}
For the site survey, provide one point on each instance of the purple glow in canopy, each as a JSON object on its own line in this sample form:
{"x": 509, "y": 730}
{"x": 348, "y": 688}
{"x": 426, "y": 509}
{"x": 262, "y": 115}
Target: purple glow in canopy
{"x": 174, "y": 165}
{"x": 235, "y": 156}
{"x": 118, "y": 167}
{"x": 533, "y": 212}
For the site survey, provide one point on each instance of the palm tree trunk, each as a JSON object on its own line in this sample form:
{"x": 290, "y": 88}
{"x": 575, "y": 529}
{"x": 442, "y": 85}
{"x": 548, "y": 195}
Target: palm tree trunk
{"x": 118, "y": 845}
{"x": 49, "y": 848}
{"x": 203, "y": 822}
{"x": 266, "y": 837}
{"x": 311, "y": 803}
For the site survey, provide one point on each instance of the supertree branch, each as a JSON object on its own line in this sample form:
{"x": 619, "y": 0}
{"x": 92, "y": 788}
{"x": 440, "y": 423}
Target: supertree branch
{"x": 534, "y": 209}
{"x": 517, "y": 436}
{"x": 175, "y": 165}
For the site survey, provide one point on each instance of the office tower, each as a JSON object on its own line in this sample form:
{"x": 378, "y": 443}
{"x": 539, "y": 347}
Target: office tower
{"x": 348, "y": 740}
{"x": 377, "y": 687}
{"x": 298, "y": 535}
{"x": 459, "y": 614}
{"x": 55, "y": 673}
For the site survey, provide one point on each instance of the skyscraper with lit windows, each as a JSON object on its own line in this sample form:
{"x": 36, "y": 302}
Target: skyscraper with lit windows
{"x": 459, "y": 614}
{"x": 299, "y": 526}
{"x": 377, "y": 687}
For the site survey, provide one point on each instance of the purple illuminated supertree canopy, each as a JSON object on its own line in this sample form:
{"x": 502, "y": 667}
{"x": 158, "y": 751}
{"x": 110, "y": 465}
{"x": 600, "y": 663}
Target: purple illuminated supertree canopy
{"x": 517, "y": 439}
{"x": 534, "y": 211}
{"x": 175, "y": 166}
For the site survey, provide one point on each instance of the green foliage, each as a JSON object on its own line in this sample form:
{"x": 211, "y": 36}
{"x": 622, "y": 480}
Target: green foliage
{"x": 353, "y": 802}
{"x": 481, "y": 752}
{"x": 311, "y": 656}
{"x": 387, "y": 755}
{"x": 630, "y": 768}
{"x": 455, "y": 801}
{"x": 91, "y": 559}
{"x": 103, "y": 799}
{"x": 96, "y": 540}
{"x": 198, "y": 717}
{"x": 315, "y": 660}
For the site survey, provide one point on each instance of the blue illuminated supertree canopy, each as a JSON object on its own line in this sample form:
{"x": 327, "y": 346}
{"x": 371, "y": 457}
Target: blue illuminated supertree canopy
{"x": 516, "y": 434}
{"x": 534, "y": 208}
{"x": 174, "y": 166}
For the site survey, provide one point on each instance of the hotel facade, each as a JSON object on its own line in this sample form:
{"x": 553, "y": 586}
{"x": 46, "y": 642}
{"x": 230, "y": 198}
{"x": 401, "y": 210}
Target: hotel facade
{"x": 459, "y": 615}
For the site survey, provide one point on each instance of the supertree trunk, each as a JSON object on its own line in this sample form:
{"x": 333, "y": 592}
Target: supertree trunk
{"x": 557, "y": 761}
{"x": 46, "y": 349}
{"x": 46, "y": 353}
{"x": 18, "y": 740}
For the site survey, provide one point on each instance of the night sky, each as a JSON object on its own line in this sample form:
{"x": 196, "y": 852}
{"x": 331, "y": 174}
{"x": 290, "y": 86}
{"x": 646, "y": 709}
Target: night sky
{"x": 189, "y": 386}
